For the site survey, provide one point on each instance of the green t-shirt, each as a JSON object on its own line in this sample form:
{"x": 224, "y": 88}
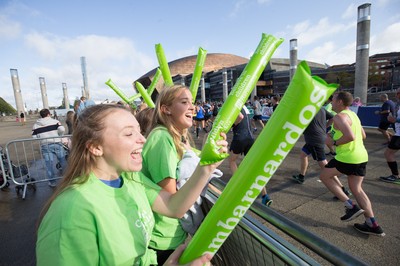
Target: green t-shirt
{"x": 160, "y": 160}
{"x": 95, "y": 224}
{"x": 353, "y": 152}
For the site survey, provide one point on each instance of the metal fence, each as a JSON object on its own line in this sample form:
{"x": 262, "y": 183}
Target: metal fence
{"x": 29, "y": 161}
{"x": 252, "y": 243}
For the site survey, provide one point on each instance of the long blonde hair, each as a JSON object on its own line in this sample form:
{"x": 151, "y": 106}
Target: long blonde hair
{"x": 167, "y": 96}
{"x": 88, "y": 130}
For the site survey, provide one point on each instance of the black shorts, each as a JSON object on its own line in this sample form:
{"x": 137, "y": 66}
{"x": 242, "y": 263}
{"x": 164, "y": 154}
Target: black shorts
{"x": 241, "y": 146}
{"x": 317, "y": 152}
{"x": 348, "y": 168}
{"x": 198, "y": 119}
{"x": 384, "y": 125}
{"x": 257, "y": 117}
{"x": 394, "y": 143}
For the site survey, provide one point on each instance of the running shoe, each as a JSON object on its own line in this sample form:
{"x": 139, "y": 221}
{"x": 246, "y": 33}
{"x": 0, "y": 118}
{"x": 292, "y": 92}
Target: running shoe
{"x": 366, "y": 229}
{"x": 389, "y": 179}
{"x": 351, "y": 214}
{"x": 299, "y": 179}
{"x": 266, "y": 200}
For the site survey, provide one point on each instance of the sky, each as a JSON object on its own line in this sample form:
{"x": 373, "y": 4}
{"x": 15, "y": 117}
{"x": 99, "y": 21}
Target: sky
{"x": 47, "y": 38}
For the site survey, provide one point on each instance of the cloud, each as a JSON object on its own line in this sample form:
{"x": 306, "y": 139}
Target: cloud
{"x": 386, "y": 41}
{"x": 330, "y": 54}
{"x": 383, "y": 3}
{"x": 9, "y": 29}
{"x": 308, "y": 34}
{"x": 263, "y": 1}
{"x": 350, "y": 12}
{"x": 238, "y": 5}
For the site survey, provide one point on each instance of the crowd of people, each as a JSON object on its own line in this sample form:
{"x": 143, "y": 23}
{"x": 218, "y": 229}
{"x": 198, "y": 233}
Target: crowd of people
{"x": 134, "y": 178}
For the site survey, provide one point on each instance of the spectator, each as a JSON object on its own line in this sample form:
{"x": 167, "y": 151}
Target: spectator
{"x": 101, "y": 214}
{"x": 166, "y": 144}
{"x": 84, "y": 103}
{"x": 357, "y": 102}
{"x": 22, "y": 118}
{"x": 144, "y": 117}
{"x": 51, "y": 146}
{"x": 70, "y": 121}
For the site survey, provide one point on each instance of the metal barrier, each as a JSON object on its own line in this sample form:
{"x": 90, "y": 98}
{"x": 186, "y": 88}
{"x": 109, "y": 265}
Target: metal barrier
{"x": 251, "y": 243}
{"x": 3, "y": 173}
{"x": 29, "y": 161}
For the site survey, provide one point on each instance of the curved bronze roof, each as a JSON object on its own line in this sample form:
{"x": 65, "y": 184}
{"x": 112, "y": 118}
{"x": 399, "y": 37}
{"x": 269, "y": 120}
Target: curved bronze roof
{"x": 185, "y": 66}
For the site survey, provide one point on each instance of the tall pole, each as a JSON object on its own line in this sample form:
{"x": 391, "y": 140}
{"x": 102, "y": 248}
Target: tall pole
{"x": 65, "y": 92}
{"x": 43, "y": 91}
{"x": 203, "y": 89}
{"x": 85, "y": 79}
{"x": 224, "y": 85}
{"x": 17, "y": 91}
{"x": 362, "y": 52}
{"x": 293, "y": 57}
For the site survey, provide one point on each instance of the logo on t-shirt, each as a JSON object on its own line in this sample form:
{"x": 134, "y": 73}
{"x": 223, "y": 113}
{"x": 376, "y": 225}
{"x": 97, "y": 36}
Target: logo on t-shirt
{"x": 146, "y": 223}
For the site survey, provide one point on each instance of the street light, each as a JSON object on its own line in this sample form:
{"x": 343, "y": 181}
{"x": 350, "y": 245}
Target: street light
{"x": 393, "y": 65}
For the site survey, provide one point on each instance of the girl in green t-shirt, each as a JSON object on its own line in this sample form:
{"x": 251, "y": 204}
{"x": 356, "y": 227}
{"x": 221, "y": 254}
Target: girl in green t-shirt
{"x": 169, "y": 138}
{"x": 101, "y": 213}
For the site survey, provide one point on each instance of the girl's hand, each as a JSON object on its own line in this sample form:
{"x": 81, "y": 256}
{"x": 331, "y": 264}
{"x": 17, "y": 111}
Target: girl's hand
{"x": 174, "y": 258}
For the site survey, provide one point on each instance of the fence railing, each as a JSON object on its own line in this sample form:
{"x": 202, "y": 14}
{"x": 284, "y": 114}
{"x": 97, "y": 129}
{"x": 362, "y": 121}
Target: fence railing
{"x": 29, "y": 161}
{"x": 252, "y": 243}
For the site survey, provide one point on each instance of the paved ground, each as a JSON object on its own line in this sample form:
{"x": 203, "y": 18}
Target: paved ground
{"x": 309, "y": 205}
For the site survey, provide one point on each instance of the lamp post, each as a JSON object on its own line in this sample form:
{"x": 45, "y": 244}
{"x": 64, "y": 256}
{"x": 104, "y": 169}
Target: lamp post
{"x": 43, "y": 91}
{"x": 293, "y": 57}
{"x": 362, "y": 52}
{"x": 65, "y": 92}
{"x": 393, "y": 65}
{"x": 17, "y": 91}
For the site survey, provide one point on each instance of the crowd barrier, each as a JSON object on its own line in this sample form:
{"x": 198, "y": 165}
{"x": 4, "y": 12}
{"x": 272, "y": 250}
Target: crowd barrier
{"x": 28, "y": 161}
{"x": 4, "y": 179}
{"x": 367, "y": 115}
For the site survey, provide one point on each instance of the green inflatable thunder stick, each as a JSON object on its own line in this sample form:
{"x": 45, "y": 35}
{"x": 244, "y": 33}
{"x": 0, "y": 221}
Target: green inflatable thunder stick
{"x": 198, "y": 70}
{"x": 162, "y": 61}
{"x": 238, "y": 96}
{"x": 301, "y": 101}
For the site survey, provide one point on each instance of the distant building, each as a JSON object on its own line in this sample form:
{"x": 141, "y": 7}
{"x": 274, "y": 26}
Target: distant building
{"x": 384, "y": 74}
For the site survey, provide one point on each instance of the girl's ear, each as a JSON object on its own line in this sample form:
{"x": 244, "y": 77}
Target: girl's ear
{"x": 96, "y": 150}
{"x": 165, "y": 109}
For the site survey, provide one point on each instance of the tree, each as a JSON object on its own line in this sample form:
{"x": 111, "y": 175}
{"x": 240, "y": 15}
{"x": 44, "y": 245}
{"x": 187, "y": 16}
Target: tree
{"x": 6, "y": 108}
